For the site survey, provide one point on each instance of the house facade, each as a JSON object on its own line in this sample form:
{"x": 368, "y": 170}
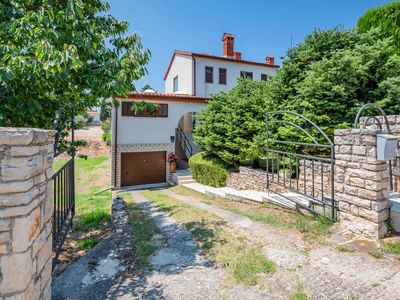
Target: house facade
{"x": 202, "y": 74}
{"x": 142, "y": 140}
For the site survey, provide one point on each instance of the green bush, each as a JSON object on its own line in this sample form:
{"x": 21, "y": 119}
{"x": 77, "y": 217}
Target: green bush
{"x": 106, "y": 126}
{"x": 208, "y": 170}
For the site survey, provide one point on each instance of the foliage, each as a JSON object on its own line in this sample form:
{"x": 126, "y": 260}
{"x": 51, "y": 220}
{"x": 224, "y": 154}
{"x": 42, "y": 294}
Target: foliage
{"x": 70, "y": 53}
{"x": 106, "y": 126}
{"x": 208, "y": 170}
{"x": 232, "y": 127}
{"x": 146, "y": 87}
{"x": 326, "y": 78}
{"x": 105, "y": 110}
{"x": 329, "y": 76}
{"x": 140, "y": 107}
{"x": 386, "y": 18}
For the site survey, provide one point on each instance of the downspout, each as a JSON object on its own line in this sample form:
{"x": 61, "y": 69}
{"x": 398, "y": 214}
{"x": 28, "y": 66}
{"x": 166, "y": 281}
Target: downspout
{"x": 194, "y": 76}
{"x": 115, "y": 146}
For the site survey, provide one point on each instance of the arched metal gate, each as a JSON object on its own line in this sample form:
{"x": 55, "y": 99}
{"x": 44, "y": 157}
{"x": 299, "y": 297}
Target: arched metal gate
{"x": 301, "y": 172}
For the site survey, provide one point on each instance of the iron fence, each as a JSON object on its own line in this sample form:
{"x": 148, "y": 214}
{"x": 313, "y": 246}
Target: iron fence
{"x": 63, "y": 189}
{"x": 309, "y": 176}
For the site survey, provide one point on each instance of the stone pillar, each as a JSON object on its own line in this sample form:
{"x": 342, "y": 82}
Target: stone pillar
{"x": 361, "y": 183}
{"x": 26, "y": 157}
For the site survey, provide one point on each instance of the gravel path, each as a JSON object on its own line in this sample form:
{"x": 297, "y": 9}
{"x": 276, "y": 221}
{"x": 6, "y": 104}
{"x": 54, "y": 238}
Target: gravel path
{"x": 325, "y": 272}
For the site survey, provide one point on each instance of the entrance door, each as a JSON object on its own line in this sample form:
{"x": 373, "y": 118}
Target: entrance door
{"x": 143, "y": 168}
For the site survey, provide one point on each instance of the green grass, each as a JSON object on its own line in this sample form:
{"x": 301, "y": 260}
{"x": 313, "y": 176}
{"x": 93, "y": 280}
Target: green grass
{"x": 143, "y": 230}
{"x": 93, "y": 220}
{"x": 312, "y": 227}
{"x": 300, "y": 293}
{"x": 88, "y": 243}
{"x": 376, "y": 253}
{"x": 391, "y": 247}
{"x": 240, "y": 255}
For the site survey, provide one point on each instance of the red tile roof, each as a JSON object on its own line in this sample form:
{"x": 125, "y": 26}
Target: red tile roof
{"x": 166, "y": 97}
{"x": 216, "y": 57}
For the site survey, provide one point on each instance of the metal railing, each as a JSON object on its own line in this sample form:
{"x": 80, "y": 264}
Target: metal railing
{"x": 184, "y": 141}
{"x": 311, "y": 176}
{"x": 63, "y": 190}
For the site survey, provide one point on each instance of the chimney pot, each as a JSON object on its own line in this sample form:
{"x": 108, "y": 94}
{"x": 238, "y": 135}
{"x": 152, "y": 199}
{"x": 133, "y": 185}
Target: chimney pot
{"x": 228, "y": 41}
{"x": 237, "y": 55}
{"x": 270, "y": 60}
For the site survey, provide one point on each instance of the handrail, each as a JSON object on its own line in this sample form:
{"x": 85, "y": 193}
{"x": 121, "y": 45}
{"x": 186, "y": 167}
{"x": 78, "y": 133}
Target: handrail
{"x": 185, "y": 142}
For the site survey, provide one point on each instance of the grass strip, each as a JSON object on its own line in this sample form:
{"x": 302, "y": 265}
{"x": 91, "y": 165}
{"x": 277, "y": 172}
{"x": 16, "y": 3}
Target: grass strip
{"x": 144, "y": 229}
{"x": 242, "y": 257}
{"x": 311, "y": 226}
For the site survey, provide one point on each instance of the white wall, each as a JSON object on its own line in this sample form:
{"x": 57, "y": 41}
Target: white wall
{"x": 183, "y": 67}
{"x": 204, "y": 89}
{"x": 141, "y": 130}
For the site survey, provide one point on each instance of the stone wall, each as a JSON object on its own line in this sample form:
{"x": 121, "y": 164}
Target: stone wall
{"x": 361, "y": 183}
{"x": 248, "y": 179}
{"x": 26, "y": 157}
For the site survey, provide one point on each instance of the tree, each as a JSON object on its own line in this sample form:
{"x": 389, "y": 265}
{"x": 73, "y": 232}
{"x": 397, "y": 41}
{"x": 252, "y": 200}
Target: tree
{"x": 329, "y": 76}
{"x": 146, "y": 87}
{"x": 54, "y": 53}
{"x": 232, "y": 127}
{"x": 326, "y": 78}
{"x": 386, "y": 18}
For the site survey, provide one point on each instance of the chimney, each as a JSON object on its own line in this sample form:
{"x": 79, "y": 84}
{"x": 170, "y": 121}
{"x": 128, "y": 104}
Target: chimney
{"x": 237, "y": 55}
{"x": 228, "y": 40}
{"x": 270, "y": 60}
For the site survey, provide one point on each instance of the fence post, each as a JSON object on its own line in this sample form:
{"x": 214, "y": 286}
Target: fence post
{"x": 361, "y": 183}
{"x": 26, "y": 158}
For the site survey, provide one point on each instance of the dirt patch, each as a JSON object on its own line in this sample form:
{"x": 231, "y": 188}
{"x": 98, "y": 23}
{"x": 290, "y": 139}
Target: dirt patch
{"x": 71, "y": 252}
{"x": 95, "y": 146}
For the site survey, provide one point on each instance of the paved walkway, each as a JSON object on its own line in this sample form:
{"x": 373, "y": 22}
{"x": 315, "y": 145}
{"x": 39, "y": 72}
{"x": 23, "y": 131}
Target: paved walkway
{"x": 325, "y": 272}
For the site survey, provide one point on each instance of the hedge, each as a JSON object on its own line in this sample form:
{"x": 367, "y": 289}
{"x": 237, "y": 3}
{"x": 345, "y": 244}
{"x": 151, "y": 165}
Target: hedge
{"x": 207, "y": 170}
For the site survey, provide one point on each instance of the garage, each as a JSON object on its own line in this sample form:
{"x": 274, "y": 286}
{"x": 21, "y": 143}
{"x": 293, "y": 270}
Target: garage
{"x": 143, "y": 168}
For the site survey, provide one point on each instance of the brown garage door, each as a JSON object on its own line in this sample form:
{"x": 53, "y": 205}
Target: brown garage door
{"x": 142, "y": 168}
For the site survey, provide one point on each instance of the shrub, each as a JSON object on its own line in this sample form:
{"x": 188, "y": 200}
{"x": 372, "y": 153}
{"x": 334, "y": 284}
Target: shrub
{"x": 208, "y": 170}
{"x": 106, "y": 126}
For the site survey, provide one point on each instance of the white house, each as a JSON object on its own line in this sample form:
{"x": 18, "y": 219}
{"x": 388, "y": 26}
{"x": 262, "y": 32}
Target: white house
{"x": 142, "y": 141}
{"x": 202, "y": 74}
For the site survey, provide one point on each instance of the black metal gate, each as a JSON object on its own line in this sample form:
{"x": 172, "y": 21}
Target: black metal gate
{"x": 63, "y": 187}
{"x": 301, "y": 172}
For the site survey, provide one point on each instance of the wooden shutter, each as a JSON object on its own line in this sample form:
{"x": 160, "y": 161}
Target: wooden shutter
{"x": 222, "y": 76}
{"x": 209, "y": 74}
{"x": 162, "y": 111}
{"x": 126, "y": 109}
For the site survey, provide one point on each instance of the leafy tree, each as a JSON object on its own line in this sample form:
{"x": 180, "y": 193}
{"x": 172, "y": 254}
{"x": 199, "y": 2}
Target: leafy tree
{"x": 105, "y": 110}
{"x": 386, "y": 18}
{"x": 326, "y": 78}
{"x": 55, "y": 52}
{"x": 329, "y": 76}
{"x": 146, "y": 87}
{"x": 232, "y": 127}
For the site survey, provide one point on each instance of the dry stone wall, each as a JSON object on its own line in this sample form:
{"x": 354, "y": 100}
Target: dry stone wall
{"x": 361, "y": 183}
{"x": 26, "y": 157}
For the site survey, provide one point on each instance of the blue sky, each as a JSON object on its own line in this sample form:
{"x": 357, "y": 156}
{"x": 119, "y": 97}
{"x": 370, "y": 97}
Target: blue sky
{"x": 261, "y": 27}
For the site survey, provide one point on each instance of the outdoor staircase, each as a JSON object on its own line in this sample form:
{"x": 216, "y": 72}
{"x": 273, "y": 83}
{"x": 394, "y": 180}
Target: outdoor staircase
{"x": 181, "y": 177}
{"x": 187, "y": 143}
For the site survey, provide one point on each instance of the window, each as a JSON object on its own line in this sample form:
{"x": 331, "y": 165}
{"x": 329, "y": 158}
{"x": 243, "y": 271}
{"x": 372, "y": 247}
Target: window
{"x": 248, "y": 75}
{"x": 209, "y": 74}
{"x": 175, "y": 88}
{"x": 222, "y": 76}
{"x": 264, "y": 77}
{"x": 161, "y": 112}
